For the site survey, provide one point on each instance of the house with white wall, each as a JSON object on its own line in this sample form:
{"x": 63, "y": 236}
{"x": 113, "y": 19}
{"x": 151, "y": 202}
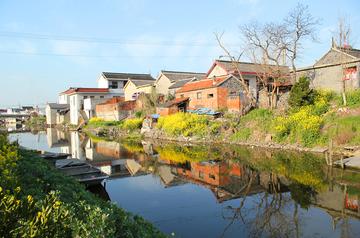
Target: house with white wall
{"x": 116, "y": 82}
{"x": 78, "y": 97}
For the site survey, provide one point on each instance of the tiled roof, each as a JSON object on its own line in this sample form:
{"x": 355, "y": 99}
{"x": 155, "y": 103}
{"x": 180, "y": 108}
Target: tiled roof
{"x": 350, "y": 51}
{"x": 203, "y": 84}
{"x": 85, "y": 90}
{"x": 177, "y": 75}
{"x": 246, "y": 67}
{"x": 180, "y": 83}
{"x": 174, "y": 102}
{"x": 139, "y": 83}
{"x": 126, "y": 76}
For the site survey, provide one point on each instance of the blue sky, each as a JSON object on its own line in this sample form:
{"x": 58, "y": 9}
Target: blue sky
{"x": 82, "y": 38}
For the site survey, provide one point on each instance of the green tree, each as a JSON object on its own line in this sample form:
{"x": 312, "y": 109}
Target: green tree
{"x": 301, "y": 94}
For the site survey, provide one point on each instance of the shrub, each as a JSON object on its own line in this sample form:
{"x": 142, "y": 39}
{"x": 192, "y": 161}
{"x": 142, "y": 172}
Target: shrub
{"x": 302, "y": 126}
{"x": 98, "y": 122}
{"x": 301, "y": 94}
{"x": 132, "y": 124}
{"x": 353, "y": 98}
{"x": 185, "y": 124}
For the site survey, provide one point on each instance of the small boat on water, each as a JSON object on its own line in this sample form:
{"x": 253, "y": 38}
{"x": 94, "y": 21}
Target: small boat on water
{"x": 81, "y": 171}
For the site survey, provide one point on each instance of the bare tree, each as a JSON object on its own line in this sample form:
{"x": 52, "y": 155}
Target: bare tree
{"x": 342, "y": 40}
{"x": 273, "y": 45}
{"x": 300, "y": 25}
{"x": 251, "y": 100}
{"x": 266, "y": 48}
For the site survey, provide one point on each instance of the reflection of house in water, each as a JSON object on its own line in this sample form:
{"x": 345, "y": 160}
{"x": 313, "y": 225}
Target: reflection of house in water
{"x": 57, "y": 138}
{"x": 112, "y": 159}
{"x": 337, "y": 201}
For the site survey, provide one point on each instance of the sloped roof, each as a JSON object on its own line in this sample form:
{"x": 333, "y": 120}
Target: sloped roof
{"x": 246, "y": 67}
{"x": 126, "y": 76}
{"x": 174, "y": 102}
{"x": 85, "y": 90}
{"x": 58, "y": 106}
{"x": 139, "y": 83}
{"x": 203, "y": 84}
{"x": 180, "y": 83}
{"x": 178, "y": 75}
{"x": 350, "y": 51}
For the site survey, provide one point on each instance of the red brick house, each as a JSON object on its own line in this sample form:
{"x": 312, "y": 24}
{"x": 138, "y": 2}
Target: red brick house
{"x": 115, "y": 109}
{"x": 217, "y": 93}
{"x": 173, "y": 106}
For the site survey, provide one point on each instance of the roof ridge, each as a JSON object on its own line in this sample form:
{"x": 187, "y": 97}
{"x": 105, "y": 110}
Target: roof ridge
{"x": 180, "y": 72}
{"x": 106, "y": 72}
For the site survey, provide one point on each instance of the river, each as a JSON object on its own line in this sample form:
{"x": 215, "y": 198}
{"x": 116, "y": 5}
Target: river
{"x": 218, "y": 190}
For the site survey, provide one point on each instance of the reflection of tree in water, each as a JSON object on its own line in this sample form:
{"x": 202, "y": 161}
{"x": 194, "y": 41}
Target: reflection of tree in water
{"x": 265, "y": 214}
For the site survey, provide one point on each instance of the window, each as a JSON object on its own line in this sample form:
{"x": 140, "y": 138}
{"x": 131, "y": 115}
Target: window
{"x": 212, "y": 176}
{"x": 198, "y": 95}
{"x": 113, "y": 84}
{"x": 211, "y": 95}
{"x": 85, "y": 97}
{"x": 232, "y": 93}
{"x": 101, "y": 96}
{"x": 92, "y": 96}
{"x": 181, "y": 95}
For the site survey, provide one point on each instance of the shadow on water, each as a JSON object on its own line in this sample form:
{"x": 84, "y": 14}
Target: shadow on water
{"x": 219, "y": 190}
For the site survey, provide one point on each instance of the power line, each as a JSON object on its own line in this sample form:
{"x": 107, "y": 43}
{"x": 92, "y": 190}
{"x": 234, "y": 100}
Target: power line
{"x": 26, "y": 35}
{"x": 102, "y": 56}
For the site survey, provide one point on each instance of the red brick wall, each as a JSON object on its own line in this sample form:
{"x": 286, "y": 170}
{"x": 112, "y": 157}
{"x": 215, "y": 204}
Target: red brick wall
{"x": 234, "y": 103}
{"x": 112, "y": 111}
{"x": 204, "y": 101}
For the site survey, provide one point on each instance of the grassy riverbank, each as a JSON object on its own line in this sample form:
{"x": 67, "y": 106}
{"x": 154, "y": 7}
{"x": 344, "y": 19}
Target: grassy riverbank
{"x": 38, "y": 201}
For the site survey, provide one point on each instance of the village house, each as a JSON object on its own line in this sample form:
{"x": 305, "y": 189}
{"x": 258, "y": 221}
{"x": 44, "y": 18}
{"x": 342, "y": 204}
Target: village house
{"x": 222, "y": 88}
{"x": 80, "y": 101}
{"x": 134, "y": 87}
{"x": 338, "y": 65}
{"x": 115, "y": 109}
{"x": 173, "y": 106}
{"x": 57, "y": 114}
{"x": 167, "y": 79}
{"x": 217, "y": 93}
{"x": 116, "y": 82}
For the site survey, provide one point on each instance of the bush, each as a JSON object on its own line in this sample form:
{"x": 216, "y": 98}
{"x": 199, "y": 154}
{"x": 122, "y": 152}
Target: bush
{"x": 185, "y": 124}
{"x": 302, "y": 126}
{"x": 301, "y": 94}
{"x": 132, "y": 124}
{"x": 352, "y": 98}
{"x": 99, "y": 122}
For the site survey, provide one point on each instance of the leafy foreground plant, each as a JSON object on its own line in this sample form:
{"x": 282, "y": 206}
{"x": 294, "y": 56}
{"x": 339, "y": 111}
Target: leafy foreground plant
{"x": 38, "y": 201}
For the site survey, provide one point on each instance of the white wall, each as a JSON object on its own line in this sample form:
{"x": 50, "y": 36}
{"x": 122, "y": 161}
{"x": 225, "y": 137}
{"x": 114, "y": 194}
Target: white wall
{"x": 63, "y": 99}
{"x": 50, "y": 116}
{"x": 103, "y": 82}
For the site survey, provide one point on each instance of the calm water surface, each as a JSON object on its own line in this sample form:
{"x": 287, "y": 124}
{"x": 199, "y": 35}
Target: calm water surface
{"x": 218, "y": 191}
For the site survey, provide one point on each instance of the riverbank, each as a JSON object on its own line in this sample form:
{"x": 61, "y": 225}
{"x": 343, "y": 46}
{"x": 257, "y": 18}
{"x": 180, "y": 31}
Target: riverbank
{"x": 319, "y": 125}
{"x": 38, "y": 201}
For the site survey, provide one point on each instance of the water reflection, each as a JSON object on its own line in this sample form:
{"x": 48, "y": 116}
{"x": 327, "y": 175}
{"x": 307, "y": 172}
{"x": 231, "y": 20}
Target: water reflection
{"x": 223, "y": 191}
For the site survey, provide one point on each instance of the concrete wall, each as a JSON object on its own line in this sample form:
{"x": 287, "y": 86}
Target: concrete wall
{"x": 162, "y": 85}
{"x": 330, "y": 78}
{"x": 50, "y": 115}
{"x": 217, "y": 71}
{"x": 131, "y": 89}
{"x": 115, "y": 111}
